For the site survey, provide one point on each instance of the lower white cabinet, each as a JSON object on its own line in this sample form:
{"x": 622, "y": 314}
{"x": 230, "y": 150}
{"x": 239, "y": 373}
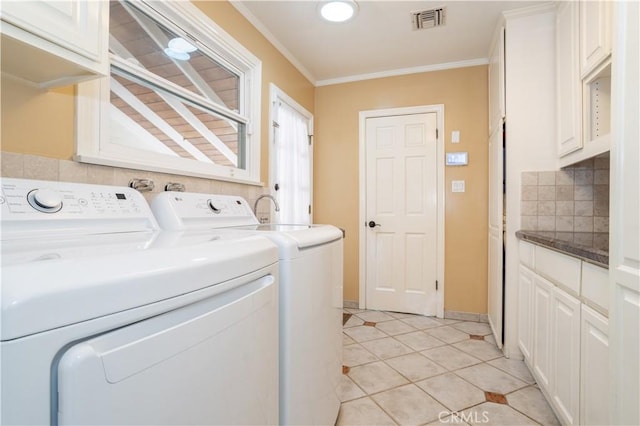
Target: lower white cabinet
{"x": 565, "y": 356}
{"x": 525, "y": 289}
{"x": 564, "y": 340}
{"x": 542, "y": 318}
{"x": 594, "y": 371}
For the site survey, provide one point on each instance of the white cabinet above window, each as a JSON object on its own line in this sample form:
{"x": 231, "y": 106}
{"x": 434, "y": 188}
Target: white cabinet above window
{"x": 55, "y": 43}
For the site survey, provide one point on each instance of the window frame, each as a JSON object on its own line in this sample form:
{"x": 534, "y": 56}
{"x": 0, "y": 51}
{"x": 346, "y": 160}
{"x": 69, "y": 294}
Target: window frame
{"x": 93, "y": 144}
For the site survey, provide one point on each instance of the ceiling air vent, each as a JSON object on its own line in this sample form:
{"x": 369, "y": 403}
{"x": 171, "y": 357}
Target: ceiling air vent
{"x": 428, "y": 18}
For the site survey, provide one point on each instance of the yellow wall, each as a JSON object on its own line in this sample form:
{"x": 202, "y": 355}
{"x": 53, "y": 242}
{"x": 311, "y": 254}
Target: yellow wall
{"x": 42, "y": 123}
{"x": 463, "y": 92}
{"x": 37, "y": 122}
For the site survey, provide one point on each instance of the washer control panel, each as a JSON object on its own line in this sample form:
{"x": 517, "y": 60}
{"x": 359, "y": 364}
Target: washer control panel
{"x": 46, "y": 206}
{"x": 186, "y": 210}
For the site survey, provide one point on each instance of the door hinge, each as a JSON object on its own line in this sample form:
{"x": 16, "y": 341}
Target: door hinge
{"x": 436, "y": 133}
{"x": 309, "y": 208}
{"x": 310, "y": 139}
{"x": 436, "y": 285}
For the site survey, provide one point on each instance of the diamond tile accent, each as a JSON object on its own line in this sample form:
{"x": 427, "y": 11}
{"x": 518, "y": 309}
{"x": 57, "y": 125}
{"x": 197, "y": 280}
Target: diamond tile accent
{"x": 497, "y": 398}
{"x": 369, "y": 324}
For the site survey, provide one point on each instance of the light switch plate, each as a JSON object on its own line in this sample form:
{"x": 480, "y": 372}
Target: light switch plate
{"x": 457, "y": 186}
{"x": 455, "y": 136}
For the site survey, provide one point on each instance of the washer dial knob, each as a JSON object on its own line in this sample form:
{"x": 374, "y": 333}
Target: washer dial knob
{"x": 45, "y": 200}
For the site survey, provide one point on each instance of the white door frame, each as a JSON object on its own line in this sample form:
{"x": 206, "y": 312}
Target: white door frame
{"x": 363, "y": 116}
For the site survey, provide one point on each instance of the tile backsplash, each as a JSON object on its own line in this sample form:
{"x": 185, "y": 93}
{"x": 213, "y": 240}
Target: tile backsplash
{"x": 43, "y": 168}
{"x": 573, "y": 199}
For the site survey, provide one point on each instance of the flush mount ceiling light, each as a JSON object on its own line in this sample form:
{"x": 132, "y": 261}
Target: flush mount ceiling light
{"x": 179, "y": 49}
{"x": 338, "y": 10}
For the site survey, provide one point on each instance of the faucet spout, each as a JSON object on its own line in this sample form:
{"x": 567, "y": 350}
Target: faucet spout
{"x": 271, "y": 197}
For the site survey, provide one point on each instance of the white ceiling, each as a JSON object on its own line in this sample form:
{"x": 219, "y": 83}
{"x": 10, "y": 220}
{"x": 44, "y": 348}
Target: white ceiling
{"x": 380, "y": 40}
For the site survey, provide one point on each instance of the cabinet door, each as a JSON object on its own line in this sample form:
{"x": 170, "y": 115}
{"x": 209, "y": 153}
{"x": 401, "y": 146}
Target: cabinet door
{"x": 569, "y": 89}
{"x": 74, "y": 25}
{"x": 525, "y": 323}
{"x": 496, "y": 235}
{"x": 496, "y": 82}
{"x": 542, "y": 296}
{"x": 565, "y": 389}
{"x": 595, "y": 34}
{"x": 594, "y": 374}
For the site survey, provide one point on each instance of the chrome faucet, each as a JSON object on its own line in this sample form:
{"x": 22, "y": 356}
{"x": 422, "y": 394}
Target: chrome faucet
{"x": 275, "y": 203}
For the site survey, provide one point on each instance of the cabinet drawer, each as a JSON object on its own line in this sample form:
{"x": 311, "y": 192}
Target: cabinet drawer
{"x": 595, "y": 286}
{"x": 559, "y": 268}
{"x": 526, "y": 254}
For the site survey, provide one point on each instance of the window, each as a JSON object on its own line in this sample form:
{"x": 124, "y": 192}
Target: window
{"x": 183, "y": 97}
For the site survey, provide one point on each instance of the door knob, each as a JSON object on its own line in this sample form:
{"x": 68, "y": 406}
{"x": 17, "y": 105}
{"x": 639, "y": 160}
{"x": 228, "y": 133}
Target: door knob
{"x": 372, "y": 224}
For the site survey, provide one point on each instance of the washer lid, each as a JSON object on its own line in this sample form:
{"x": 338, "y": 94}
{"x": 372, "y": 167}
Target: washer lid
{"x": 80, "y": 280}
{"x": 293, "y": 239}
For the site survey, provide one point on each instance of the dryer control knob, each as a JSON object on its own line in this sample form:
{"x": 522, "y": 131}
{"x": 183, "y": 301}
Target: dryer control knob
{"x": 45, "y": 200}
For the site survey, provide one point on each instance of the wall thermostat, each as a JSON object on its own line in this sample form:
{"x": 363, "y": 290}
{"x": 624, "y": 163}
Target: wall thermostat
{"x": 457, "y": 159}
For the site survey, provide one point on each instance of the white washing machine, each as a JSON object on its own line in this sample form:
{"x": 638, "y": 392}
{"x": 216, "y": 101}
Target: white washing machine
{"x": 107, "y": 320}
{"x": 310, "y": 297}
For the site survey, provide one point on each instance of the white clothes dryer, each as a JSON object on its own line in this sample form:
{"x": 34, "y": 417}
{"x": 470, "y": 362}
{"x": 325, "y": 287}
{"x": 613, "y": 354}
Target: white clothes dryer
{"x": 310, "y": 258}
{"x": 108, "y": 320}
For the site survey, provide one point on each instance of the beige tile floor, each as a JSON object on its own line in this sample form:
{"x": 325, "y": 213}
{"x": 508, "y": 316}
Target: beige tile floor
{"x": 412, "y": 370}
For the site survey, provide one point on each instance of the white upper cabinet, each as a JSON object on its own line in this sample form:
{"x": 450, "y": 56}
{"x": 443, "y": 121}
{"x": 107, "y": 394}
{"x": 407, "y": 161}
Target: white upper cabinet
{"x": 569, "y": 89}
{"x": 54, "y": 43}
{"x": 595, "y": 34}
{"x": 496, "y": 81}
{"x": 583, "y": 79}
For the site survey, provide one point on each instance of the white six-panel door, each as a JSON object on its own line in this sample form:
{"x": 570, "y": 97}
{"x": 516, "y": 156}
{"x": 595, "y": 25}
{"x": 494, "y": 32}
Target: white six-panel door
{"x": 401, "y": 227}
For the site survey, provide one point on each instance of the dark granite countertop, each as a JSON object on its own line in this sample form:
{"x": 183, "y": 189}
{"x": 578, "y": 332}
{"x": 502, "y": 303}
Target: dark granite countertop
{"x": 592, "y": 247}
